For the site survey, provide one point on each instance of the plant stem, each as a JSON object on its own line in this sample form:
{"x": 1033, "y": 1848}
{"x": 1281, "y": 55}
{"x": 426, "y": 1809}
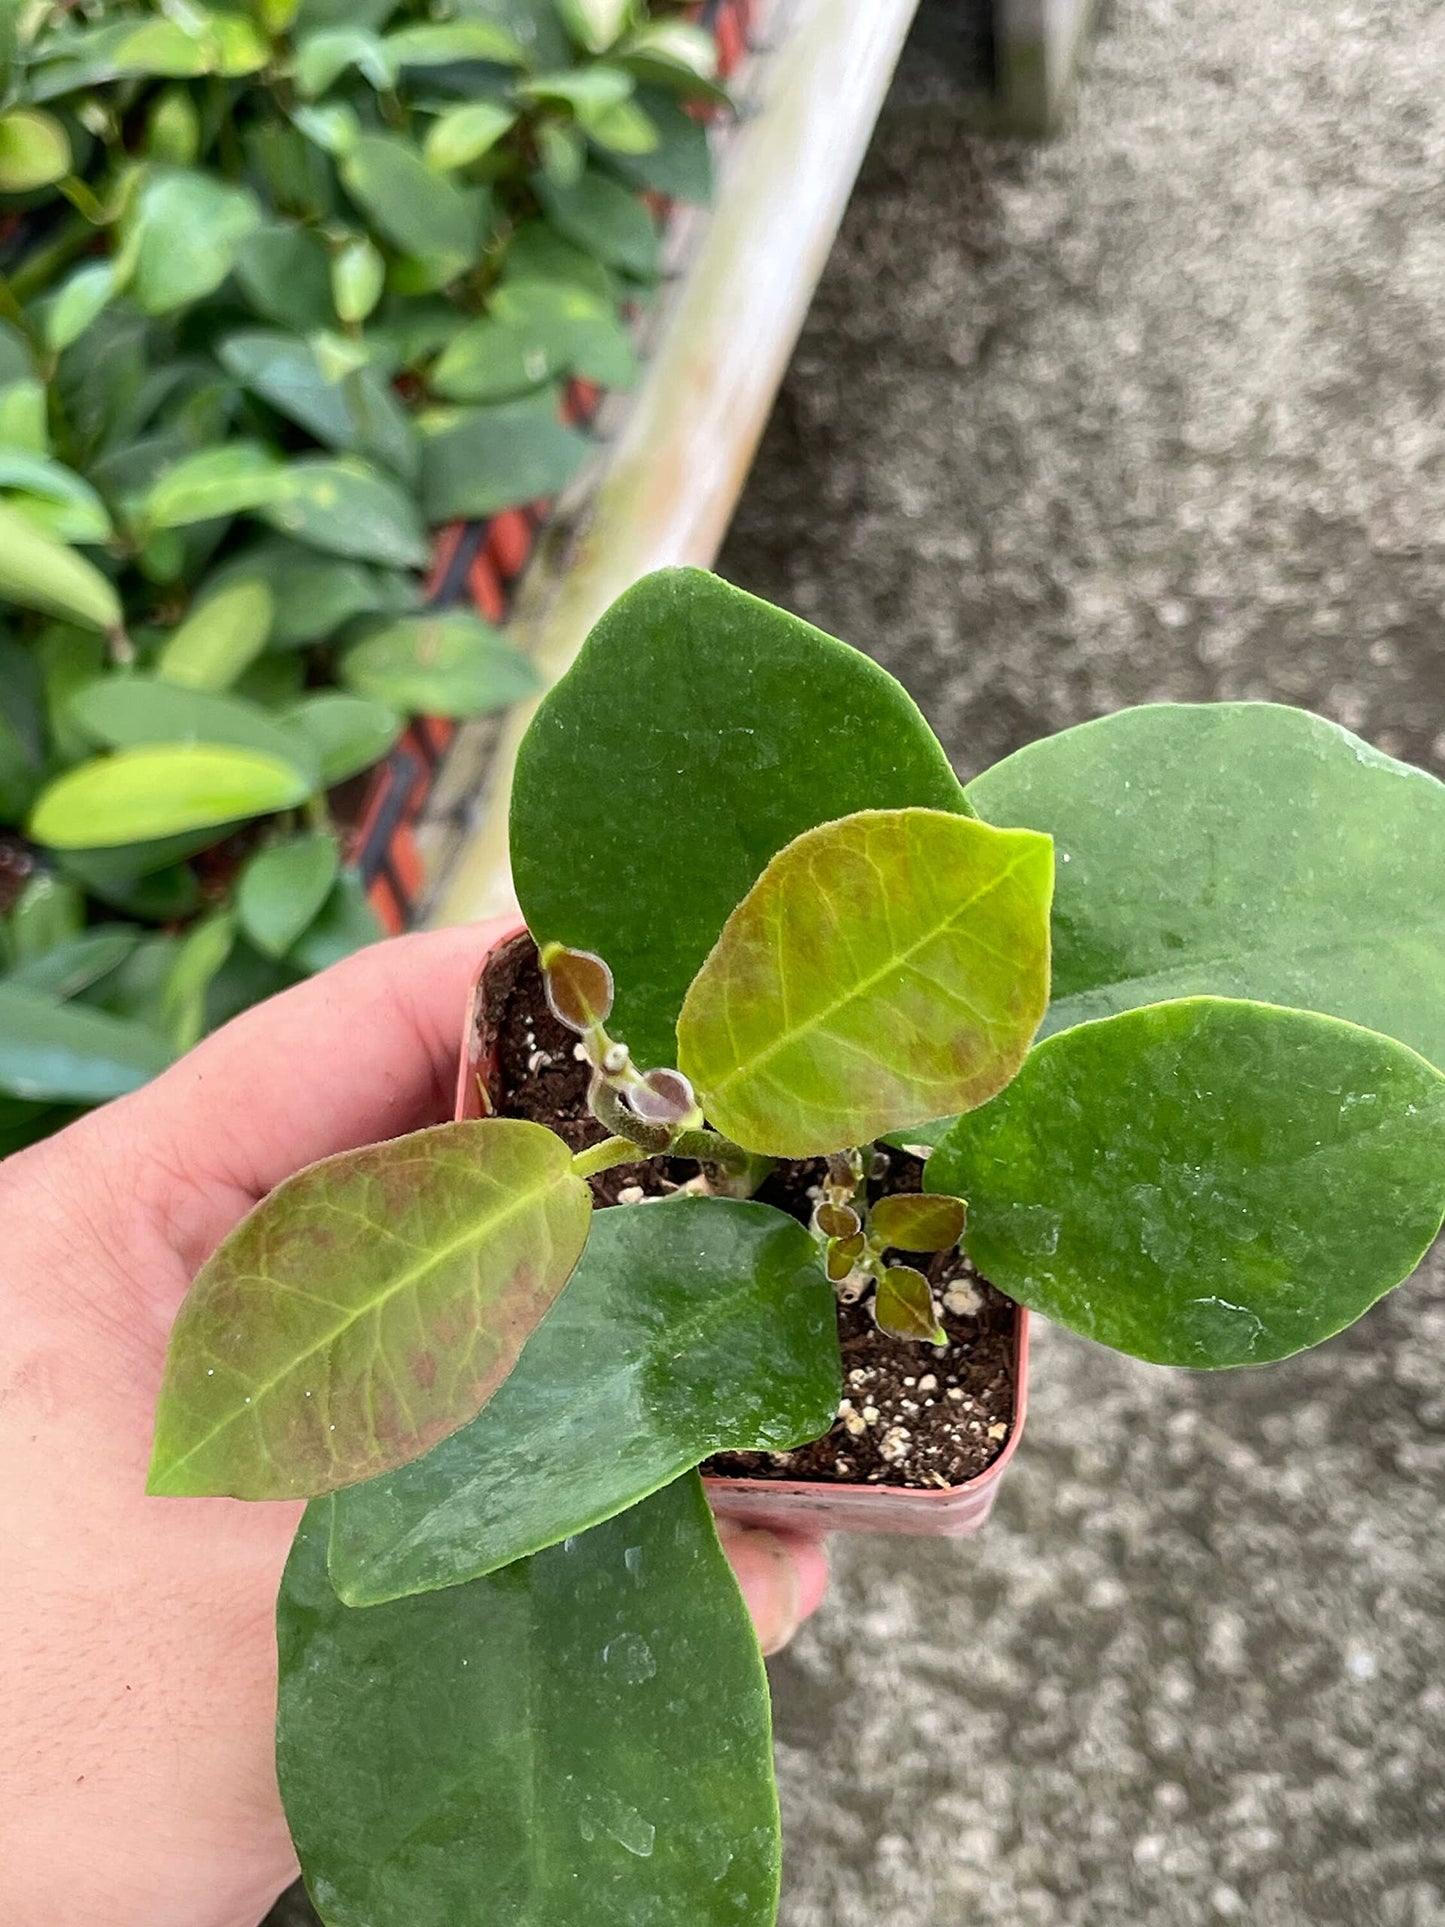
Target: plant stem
{"x": 602, "y": 1157}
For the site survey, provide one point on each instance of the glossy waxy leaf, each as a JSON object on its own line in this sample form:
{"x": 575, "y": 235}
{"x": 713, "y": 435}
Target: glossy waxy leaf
{"x": 885, "y": 969}
{"x": 689, "y": 1327}
{"x": 221, "y": 637}
{"x": 344, "y": 924}
{"x": 357, "y": 412}
{"x": 346, "y": 508}
{"x": 160, "y": 791}
{"x": 53, "y": 497}
{"x": 463, "y": 134}
{"x": 346, "y": 734}
{"x": 1207, "y": 1182}
{"x": 284, "y": 270}
{"x": 64, "y": 1053}
{"x": 215, "y": 482}
{"x": 1236, "y": 849}
{"x": 34, "y": 150}
{"x": 442, "y": 43}
{"x": 199, "y": 956}
{"x": 315, "y": 594}
{"x": 579, "y": 987}
{"x": 366, "y": 1308}
{"x": 77, "y": 963}
{"x": 113, "y": 51}
{"x": 281, "y": 890}
{"x": 181, "y": 235}
{"x": 77, "y": 302}
{"x": 480, "y": 460}
{"x": 39, "y": 572}
{"x": 722, "y": 689}
{"x": 412, "y": 206}
{"x": 449, "y": 664}
{"x": 607, "y": 220}
{"x": 48, "y": 912}
{"x": 579, "y": 1740}
{"x": 126, "y": 712}
{"x": 680, "y": 165}
{"x": 358, "y": 275}
{"x": 904, "y": 1308}
{"x": 917, "y": 1221}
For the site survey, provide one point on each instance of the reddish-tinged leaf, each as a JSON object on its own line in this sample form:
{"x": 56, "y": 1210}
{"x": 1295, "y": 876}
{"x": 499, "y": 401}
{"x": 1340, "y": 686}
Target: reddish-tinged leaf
{"x": 840, "y": 1221}
{"x": 904, "y": 1306}
{"x": 579, "y": 987}
{"x": 367, "y": 1308}
{"x": 926, "y": 1221}
{"x": 843, "y": 1254}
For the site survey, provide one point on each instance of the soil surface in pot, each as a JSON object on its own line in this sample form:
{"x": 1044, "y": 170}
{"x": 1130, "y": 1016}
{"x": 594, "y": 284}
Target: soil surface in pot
{"x": 927, "y": 1416}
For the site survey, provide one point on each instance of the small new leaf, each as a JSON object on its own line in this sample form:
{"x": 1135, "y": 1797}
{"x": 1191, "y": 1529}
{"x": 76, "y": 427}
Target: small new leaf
{"x": 926, "y": 1221}
{"x": 842, "y": 1221}
{"x": 904, "y": 1307}
{"x": 579, "y": 987}
{"x": 843, "y": 1254}
{"x": 665, "y": 1097}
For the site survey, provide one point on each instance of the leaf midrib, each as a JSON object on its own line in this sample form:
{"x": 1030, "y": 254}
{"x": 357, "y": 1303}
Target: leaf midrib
{"x": 406, "y": 1279}
{"x": 865, "y": 984}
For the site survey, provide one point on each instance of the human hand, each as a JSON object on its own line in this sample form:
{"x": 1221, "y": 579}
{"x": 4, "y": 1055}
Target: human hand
{"x": 137, "y": 1646}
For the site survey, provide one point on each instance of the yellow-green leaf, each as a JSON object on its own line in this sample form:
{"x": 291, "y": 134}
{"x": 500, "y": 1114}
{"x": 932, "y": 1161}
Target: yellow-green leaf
{"x": 917, "y": 1221}
{"x": 34, "y": 150}
{"x": 885, "y": 969}
{"x": 904, "y": 1307}
{"x": 219, "y": 639}
{"x": 161, "y": 791}
{"x": 367, "y": 1308}
{"x": 40, "y": 573}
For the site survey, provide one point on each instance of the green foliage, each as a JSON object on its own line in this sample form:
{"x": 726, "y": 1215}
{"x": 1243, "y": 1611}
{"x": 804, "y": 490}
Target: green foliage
{"x": 299, "y": 1364}
{"x": 1206, "y": 1182}
{"x": 707, "y": 1320}
{"x": 578, "y": 1740}
{"x": 883, "y": 969}
{"x": 261, "y": 256}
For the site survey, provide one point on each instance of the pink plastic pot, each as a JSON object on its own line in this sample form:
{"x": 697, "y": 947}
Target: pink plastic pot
{"x": 797, "y": 1505}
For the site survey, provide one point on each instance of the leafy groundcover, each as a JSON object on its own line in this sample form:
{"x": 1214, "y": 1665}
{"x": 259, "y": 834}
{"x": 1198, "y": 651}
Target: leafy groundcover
{"x": 285, "y": 287}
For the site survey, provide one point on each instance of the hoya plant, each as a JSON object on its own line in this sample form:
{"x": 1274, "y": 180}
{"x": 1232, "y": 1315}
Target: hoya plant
{"x": 284, "y": 285}
{"x": 1158, "y": 996}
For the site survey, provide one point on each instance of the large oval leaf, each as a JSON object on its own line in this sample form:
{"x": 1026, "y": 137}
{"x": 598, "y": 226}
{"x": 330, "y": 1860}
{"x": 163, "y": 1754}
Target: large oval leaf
{"x": 698, "y": 732}
{"x": 883, "y": 970}
{"x": 369, "y": 1306}
{"x": 125, "y": 712}
{"x": 689, "y": 1327}
{"x": 222, "y": 636}
{"x": 1208, "y": 1182}
{"x": 606, "y": 219}
{"x": 359, "y": 412}
{"x": 1238, "y": 849}
{"x": 347, "y": 734}
{"x": 215, "y": 482}
{"x": 447, "y": 664}
{"x": 421, "y": 212}
{"x": 64, "y": 1053}
{"x": 181, "y": 234}
{"x": 580, "y": 1740}
{"x": 161, "y": 791}
{"x": 281, "y": 890}
{"x": 485, "y": 459}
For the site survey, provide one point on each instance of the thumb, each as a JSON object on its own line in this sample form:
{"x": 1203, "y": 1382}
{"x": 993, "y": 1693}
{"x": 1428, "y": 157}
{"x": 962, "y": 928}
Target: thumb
{"x": 783, "y": 1577}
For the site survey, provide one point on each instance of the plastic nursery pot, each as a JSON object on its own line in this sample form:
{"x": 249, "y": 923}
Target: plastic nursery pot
{"x": 798, "y": 1505}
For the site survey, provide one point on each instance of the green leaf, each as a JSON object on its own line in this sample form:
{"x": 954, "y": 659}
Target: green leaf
{"x": 314, "y": 594}
{"x": 78, "y": 962}
{"x": 1205, "y": 1183}
{"x": 358, "y": 276}
{"x": 442, "y": 44}
{"x": 725, "y": 693}
{"x": 594, "y": 24}
{"x": 241, "y": 48}
{"x": 346, "y": 508}
{"x": 131, "y": 881}
{"x": 48, "y": 912}
{"x": 607, "y": 220}
{"x": 537, "y": 252}
{"x": 883, "y": 970}
{"x": 582, "y": 1740}
{"x": 680, "y": 165}
{"x": 448, "y": 664}
{"x": 154, "y": 792}
{"x": 345, "y": 924}
{"x": 416, "y": 209}
{"x": 322, "y": 58}
{"x": 623, "y": 129}
{"x": 39, "y": 572}
{"x": 151, "y": 47}
{"x": 706, "y": 1320}
{"x": 1238, "y": 849}
{"x": 180, "y": 236}
{"x": 463, "y": 134}
{"x": 128, "y": 712}
{"x": 285, "y": 273}
{"x": 23, "y": 417}
{"x": 365, "y": 1309}
{"x": 53, "y": 497}
{"x": 78, "y": 301}
{"x": 63, "y": 1053}
{"x": 537, "y": 331}
{"x": 281, "y": 890}
{"x": 596, "y": 85}
{"x": 347, "y": 734}
{"x": 674, "y": 53}
{"x": 34, "y": 150}
{"x": 487, "y": 361}
{"x": 222, "y": 636}
{"x": 230, "y": 480}
{"x": 199, "y": 956}
{"x": 917, "y": 1221}
{"x": 481, "y": 460}
{"x": 904, "y": 1308}
{"x": 358, "y": 412}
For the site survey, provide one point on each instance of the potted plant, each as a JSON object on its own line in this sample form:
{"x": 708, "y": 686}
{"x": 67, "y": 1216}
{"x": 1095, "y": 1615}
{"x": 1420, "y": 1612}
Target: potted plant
{"x": 782, "y": 952}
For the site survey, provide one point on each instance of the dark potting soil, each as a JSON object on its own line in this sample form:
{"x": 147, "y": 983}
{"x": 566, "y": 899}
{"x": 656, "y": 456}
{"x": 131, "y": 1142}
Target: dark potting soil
{"x": 911, "y": 1414}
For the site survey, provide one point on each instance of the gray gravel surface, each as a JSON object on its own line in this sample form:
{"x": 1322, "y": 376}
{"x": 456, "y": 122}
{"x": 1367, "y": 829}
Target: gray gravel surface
{"x": 1153, "y": 412}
